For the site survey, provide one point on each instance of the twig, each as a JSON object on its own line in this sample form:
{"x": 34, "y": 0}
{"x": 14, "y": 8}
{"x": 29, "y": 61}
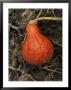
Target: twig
{"x": 24, "y": 12}
{"x": 12, "y": 52}
{"x": 25, "y": 37}
{"x": 16, "y": 69}
{"x": 39, "y": 13}
{"x": 47, "y": 67}
{"x": 23, "y": 72}
{"x": 55, "y": 58}
{"x": 53, "y": 12}
{"x": 50, "y": 66}
{"x": 50, "y": 70}
{"x": 28, "y": 76}
{"x": 55, "y": 42}
{"x": 46, "y": 12}
{"x": 52, "y": 60}
{"x": 14, "y": 27}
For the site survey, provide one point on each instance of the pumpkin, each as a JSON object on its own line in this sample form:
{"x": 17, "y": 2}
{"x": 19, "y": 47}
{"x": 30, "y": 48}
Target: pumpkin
{"x": 37, "y": 49}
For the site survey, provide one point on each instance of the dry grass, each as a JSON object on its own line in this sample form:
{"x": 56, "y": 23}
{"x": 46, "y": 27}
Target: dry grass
{"x": 19, "y": 70}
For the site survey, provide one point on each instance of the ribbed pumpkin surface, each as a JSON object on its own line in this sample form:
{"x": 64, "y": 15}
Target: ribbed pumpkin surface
{"x": 37, "y": 49}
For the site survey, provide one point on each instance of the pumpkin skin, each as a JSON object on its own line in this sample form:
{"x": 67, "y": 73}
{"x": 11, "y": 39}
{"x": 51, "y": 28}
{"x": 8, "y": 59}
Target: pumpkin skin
{"x": 37, "y": 49}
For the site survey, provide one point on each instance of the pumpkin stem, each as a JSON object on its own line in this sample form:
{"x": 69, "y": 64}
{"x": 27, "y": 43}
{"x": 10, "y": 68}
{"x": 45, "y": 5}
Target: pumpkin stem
{"x": 33, "y": 22}
{"x": 49, "y": 18}
{"x": 45, "y": 18}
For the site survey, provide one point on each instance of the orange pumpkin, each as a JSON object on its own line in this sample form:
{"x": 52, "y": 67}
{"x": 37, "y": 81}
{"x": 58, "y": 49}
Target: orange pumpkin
{"x": 37, "y": 49}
